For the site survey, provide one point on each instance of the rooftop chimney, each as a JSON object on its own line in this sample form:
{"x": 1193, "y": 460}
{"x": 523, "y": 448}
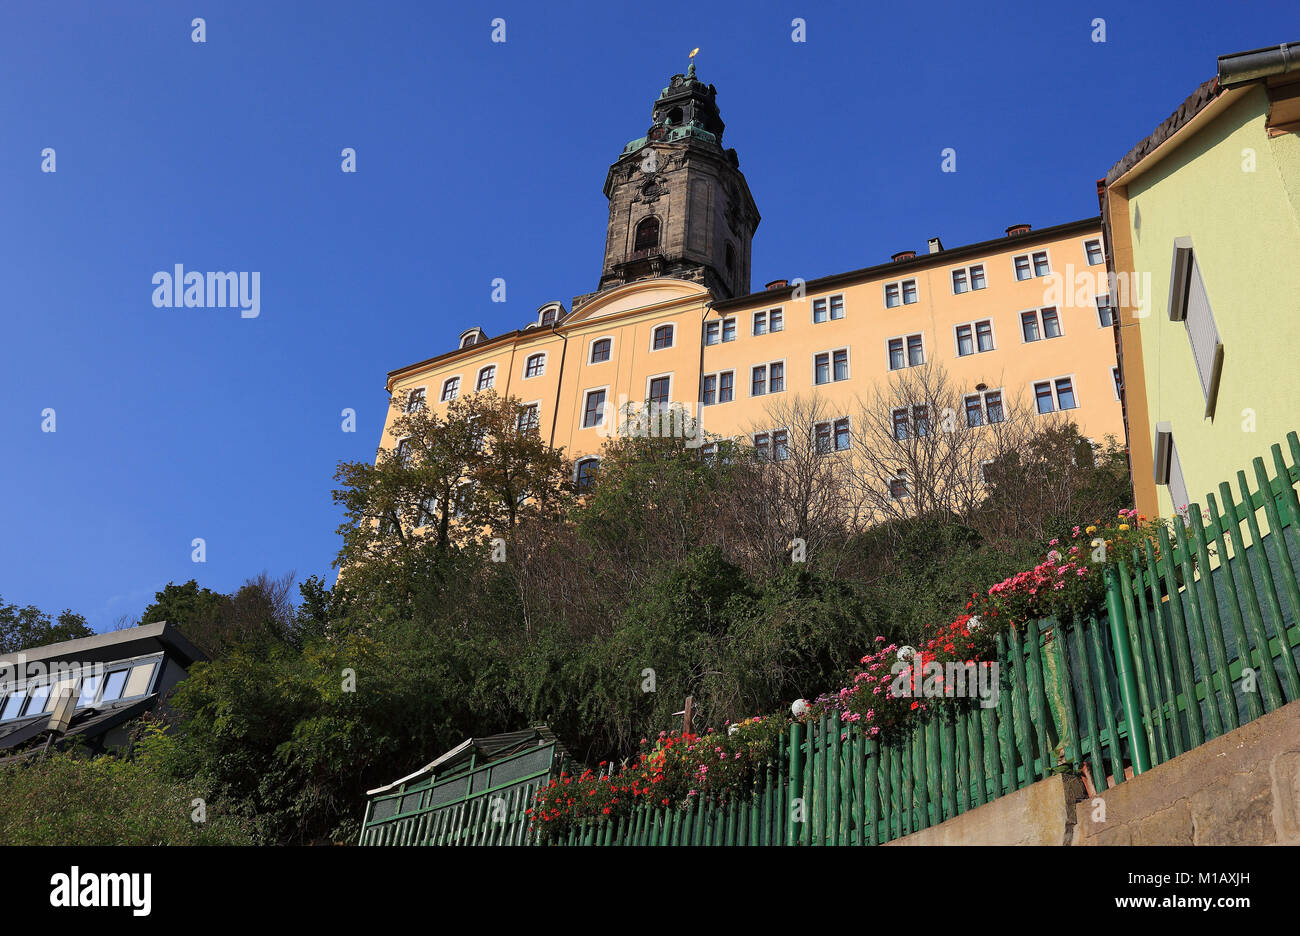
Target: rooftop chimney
{"x": 1017, "y": 229}
{"x": 778, "y": 284}
{"x": 936, "y": 245}
{"x": 903, "y": 255}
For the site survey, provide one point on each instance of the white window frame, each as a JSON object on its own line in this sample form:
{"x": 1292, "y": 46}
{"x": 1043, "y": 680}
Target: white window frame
{"x": 442, "y": 393}
{"x": 1184, "y": 275}
{"x": 1033, "y": 274}
{"x": 970, "y": 283}
{"x": 812, "y": 309}
{"x": 717, "y": 387}
{"x": 536, "y": 403}
{"x": 767, "y": 321}
{"x": 848, "y": 357}
{"x": 527, "y": 358}
{"x": 1056, "y": 397}
{"x": 577, "y": 466}
{"x": 974, "y": 337}
{"x": 902, "y": 294}
{"x": 767, "y": 382}
{"x": 591, "y": 350}
{"x": 1101, "y": 246}
{"x": 654, "y": 377}
{"x": 984, "y": 405}
{"x": 410, "y": 392}
{"x": 1042, "y": 328}
{"x": 604, "y": 414}
{"x": 478, "y": 378}
{"x": 672, "y": 344}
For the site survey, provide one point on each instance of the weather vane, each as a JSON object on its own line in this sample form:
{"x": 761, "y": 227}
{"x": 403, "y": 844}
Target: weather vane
{"x": 691, "y": 64}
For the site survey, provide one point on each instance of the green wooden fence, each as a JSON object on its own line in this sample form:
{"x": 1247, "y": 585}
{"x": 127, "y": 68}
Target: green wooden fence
{"x": 1198, "y": 637}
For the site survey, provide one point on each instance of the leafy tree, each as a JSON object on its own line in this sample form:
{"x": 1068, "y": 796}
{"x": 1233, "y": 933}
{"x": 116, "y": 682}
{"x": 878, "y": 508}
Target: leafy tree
{"x": 27, "y": 627}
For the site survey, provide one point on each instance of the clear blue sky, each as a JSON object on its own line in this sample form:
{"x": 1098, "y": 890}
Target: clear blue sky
{"x": 475, "y": 160}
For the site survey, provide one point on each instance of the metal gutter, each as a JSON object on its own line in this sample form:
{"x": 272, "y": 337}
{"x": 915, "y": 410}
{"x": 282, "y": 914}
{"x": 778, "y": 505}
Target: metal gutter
{"x": 1240, "y": 67}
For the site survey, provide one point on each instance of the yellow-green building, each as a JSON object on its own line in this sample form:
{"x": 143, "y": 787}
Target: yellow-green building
{"x": 1202, "y": 222}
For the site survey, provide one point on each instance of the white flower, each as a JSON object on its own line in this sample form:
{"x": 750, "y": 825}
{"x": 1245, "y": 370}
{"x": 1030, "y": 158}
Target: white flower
{"x": 800, "y": 706}
{"x": 974, "y": 623}
{"x": 905, "y": 654}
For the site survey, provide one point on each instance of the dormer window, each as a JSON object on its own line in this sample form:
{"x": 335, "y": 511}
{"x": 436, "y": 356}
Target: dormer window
{"x": 472, "y": 337}
{"x": 647, "y": 234}
{"x": 548, "y": 317}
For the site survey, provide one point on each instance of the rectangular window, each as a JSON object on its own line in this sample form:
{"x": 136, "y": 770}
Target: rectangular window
{"x": 776, "y": 377}
{"x": 729, "y": 329}
{"x": 822, "y": 369}
{"x": 977, "y": 276}
{"x": 902, "y": 293}
{"x": 758, "y": 380}
{"x": 837, "y": 307}
{"x": 780, "y": 444}
{"x": 1190, "y": 301}
{"x": 898, "y": 488}
{"x": 1093, "y": 250}
{"x": 841, "y": 359}
{"x": 594, "y": 410}
{"x": 762, "y": 445}
{"x": 712, "y": 332}
{"x": 1051, "y": 324}
{"x": 760, "y": 323}
{"x": 900, "y": 424}
{"x": 776, "y": 320}
{"x": 404, "y": 451}
{"x": 915, "y": 351}
{"x": 37, "y": 696}
{"x": 822, "y": 434}
{"x": 1043, "y": 397}
{"x": 138, "y": 683}
{"x": 600, "y": 350}
{"x": 1023, "y": 271}
{"x": 1041, "y": 267}
{"x": 767, "y": 378}
{"x": 1119, "y": 384}
{"x": 921, "y": 420}
{"x": 450, "y": 388}
{"x": 663, "y": 337}
{"x": 114, "y": 683}
{"x": 1065, "y": 394}
{"x": 974, "y": 411}
{"x": 1105, "y": 314}
{"x": 529, "y": 418}
{"x": 659, "y": 390}
{"x": 965, "y": 340}
{"x": 959, "y": 282}
{"x": 726, "y": 386}
{"x": 415, "y": 400}
{"x": 819, "y": 311}
{"x": 536, "y": 365}
{"x": 993, "y": 406}
{"x": 1029, "y": 325}
{"x": 896, "y": 360}
{"x": 984, "y": 335}
{"x": 89, "y": 687}
{"x": 709, "y": 390}
{"x": 842, "y": 438}
{"x": 486, "y": 378}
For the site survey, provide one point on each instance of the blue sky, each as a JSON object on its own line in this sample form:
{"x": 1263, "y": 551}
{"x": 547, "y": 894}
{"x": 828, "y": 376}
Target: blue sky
{"x": 474, "y": 160}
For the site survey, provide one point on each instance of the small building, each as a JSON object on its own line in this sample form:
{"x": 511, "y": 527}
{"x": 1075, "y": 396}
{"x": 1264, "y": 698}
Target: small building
{"x": 1203, "y": 221}
{"x": 108, "y": 681}
{"x": 477, "y": 793}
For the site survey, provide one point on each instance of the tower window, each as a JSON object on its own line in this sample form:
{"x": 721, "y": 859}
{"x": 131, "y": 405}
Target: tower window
{"x": 647, "y": 234}
{"x": 675, "y": 117}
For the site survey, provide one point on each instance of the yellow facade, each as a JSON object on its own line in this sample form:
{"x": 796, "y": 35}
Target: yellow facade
{"x": 628, "y": 315}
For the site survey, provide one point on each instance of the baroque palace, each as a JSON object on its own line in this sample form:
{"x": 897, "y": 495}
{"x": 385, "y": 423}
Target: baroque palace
{"x": 1022, "y": 316}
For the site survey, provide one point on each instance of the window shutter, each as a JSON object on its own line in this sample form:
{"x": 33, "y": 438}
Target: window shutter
{"x": 1207, "y": 349}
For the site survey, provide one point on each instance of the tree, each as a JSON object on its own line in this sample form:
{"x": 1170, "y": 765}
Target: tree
{"x": 259, "y": 614}
{"x": 27, "y": 627}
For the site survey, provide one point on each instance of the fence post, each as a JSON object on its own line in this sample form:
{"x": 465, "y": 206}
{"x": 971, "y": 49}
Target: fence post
{"x": 1128, "y": 690}
{"x": 796, "y": 776}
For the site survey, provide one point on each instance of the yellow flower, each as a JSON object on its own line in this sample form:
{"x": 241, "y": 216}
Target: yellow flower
{"x": 1091, "y": 529}
{"x": 1123, "y": 526}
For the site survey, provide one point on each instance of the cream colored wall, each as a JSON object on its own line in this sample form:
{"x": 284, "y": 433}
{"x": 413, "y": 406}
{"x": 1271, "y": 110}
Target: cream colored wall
{"x": 1085, "y": 351}
{"x": 1246, "y": 239}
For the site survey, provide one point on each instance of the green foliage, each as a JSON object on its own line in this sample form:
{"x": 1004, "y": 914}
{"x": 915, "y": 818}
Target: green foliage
{"x": 26, "y": 627}
{"x": 67, "y": 799}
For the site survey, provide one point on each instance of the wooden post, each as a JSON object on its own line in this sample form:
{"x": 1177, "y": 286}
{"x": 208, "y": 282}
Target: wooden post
{"x": 688, "y": 715}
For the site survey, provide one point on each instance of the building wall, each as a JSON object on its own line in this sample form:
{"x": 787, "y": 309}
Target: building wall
{"x": 1084, "y": 352}
{"x": 1246, "y": 239}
